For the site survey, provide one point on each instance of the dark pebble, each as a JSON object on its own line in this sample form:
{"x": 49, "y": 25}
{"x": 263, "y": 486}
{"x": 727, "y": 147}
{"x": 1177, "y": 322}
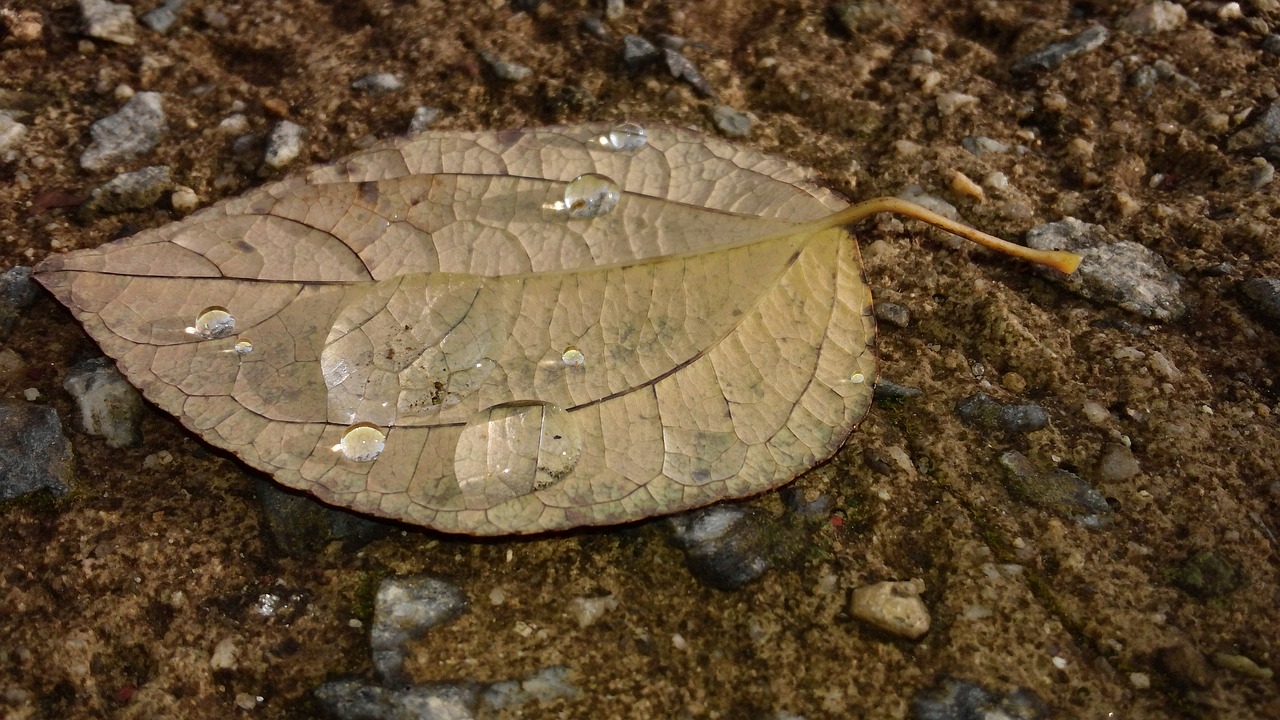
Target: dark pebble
{"x": 302, "y": 527}
{"x": 1055, "y": 490}
{"x": 984, "y": 412}
{"x": 34, "y": 454}
{"x": 1206, "y": 575}
{"x": 1186, "y": 663}
{"x": 796, "y": 501}
{"x": 358, "y": 700}
{"x": 893, "y": 314}
{"x": 404, "y": 609}
{"x": 682, "y": 68}
{"x": 725, "y": 546}
{"x": 956, "y": 699}
{"x": 17, "y": 293}
{"x": 890, "y": 394}
{"x": 1263, "y": 296}
{"x": 638, "y": 53}
{"x": 1051, "y": 56}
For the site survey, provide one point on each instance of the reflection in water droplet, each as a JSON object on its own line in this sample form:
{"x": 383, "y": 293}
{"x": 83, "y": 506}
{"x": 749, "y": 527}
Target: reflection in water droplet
{"x": 857, "y": 378}
{"x": 511, "y": 450}
{"x": 244, "y": 347}
{"x": 573, "y": 356}
{"x": 627, "y": 137}
{"x": 213, "y": 323}
{"x": 590, "y": 196}
{"x": 362, "y": 442}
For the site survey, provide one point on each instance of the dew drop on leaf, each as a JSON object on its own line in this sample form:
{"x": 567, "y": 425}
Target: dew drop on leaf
{"x": 573, "y": 357}
{"x": 362, "y": 442}
{"x": 213, "y": 323}
{"x": 590, "y": 196}
{"x": 627, "y": 137}
{"x": 510, "y": 450}
{"x": 244, "y": 347}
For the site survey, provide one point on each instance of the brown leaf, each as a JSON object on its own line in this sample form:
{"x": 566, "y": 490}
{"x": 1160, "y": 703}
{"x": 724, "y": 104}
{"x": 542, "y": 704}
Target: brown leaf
{"x": 461, "y": 331}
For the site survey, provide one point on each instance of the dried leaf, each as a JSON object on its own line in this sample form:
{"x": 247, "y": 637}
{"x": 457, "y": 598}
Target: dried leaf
{"x": 503, "y": 332}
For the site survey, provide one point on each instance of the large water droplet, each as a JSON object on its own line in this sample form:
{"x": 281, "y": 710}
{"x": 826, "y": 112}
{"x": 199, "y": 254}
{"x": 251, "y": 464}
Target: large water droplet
{"x": 213, "y": 323}
{"x": 573, "y": 357}
{"x": 511, "y": 450}
{"x": 627, "y": 137}
{"x": 590, "y": 196}
{"x": 362, "y": 442}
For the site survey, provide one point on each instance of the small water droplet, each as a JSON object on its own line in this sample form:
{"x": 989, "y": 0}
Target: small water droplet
{"x": 857, "y": 378}
{"x": 590, "y": 196}
{"x": 573, "y": 357}
{"x": 362, "y": 442}
{"x": 627, "y": 137}
{"x": 213, "y": 323}
{"x": 511, "y": 450}
{"x": 244, "y": 347}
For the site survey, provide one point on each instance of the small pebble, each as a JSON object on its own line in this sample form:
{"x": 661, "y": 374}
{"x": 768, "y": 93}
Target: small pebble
{"x": 284, "y": 144}
{"x": 378, "y": 83}
{"x": 595, "y": 27}
{"x": 948, "y": 103}
{"x": 894, "y": 607}
{"x": 108, "y": 21}
{"x": 507, "y": 71}
{"x": 961, "y": 184}
{"x": 614, "y": 9}
{"x": 1096, "y": 414}
{"x": 1261, "y": 173}
{"x": 1155, "y": 17}
{"x": 17, "y": 293}
{"x": 184, "y": 200}
{"x": 302, "y": 526}
{"x": 893, "y": 314}
{"x": 1261, "y": 134}
{"x": 1051, "y": 56}
{"x": 1271, "y": 44}
{"x": 638, "y": 53}
{"x": 1121, "y": 273}
{"x": 725, "y": 546}
{"x": 807, "y": 504}
{"x": 731, "y": 122}
{"x": 225, "y": 655}
{"x": 11, "y": 132}
{"x": 34, "y": 454}
{"x": 354, "y": 699}
{"x": 22, "y": 26}
{"x": 682, "y": 68}
{"x": 1055, "y": 490}
{"x": 984, "y": 412}
{"x": 860, "y": 18}
{"x": 132, "y": 131}
{"x": 1185, "y": 663}
{"x": 586, "y": 611}
{"x": 981, "y": 145}
{"x": 423, "y": 118}
{"x": 108, "y": 406}
{"x": 162, "y": 18}
{"x": 955, "y": 699}
{"x": 1117, "y": 464}
{"x": 1206, "y": 575}
{"x": 135, "y": 190}
{"x": 889, "y": 394}
{"x": 404, "y": 609}
{"x": 1262, "y": 296}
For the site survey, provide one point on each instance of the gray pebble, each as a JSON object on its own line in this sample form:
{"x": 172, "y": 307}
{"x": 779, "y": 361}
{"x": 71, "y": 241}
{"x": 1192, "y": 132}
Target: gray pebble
{"x": 284, "y": 144}
{"x": 11, "y": 132}
{"x": 17, "y": 292}
{"x": 893, "y": 314}
{"x": 731, "y": 122}
{"x": 955, "y": 699}
{"x": 859, "y": 18}
{"x": 984, "y": 412}
{"x": 1117, "y": 464}
{"x": 797, "y": 502}
{"x": 34, "y": 454}
{"x": 725, "y": 546}
{"x": 108, "y": 21}
{"x": 423, "y": 118}
{"x": 543, "y": 686}
{"x": 1261, "y": 174}
{"x": 1051, "y": 56}
{"x": 1055, "y": 490}
{"x": 107, "y": 405}
{"x": 162, "y": 18}
{"x": 982, "y": 145}
{"x": 889, "y": 394}
{"x": 1153, "y": 17}
{"x": 133, "y": 130}
{"x": 917, "y": 195}
{"x": 503, "y": 70}
{"x": 594, "y": 27}
{"x": 357, "y": 700}
{"x": 1260, "y": 134}
{"x": 1121, "y": 273}
{"x": 1263, "y": 298}
{"x": 1144, "y": 77}
{"x": 130, "y": 191}
{"x": 682, "y": 68}
{"x": 302, "y": 527}
{"x": 404, "y": 609}
{"x": 638, "y": 53}
{"x": 378, "y": 83}
{"x": 1271, "y": 44}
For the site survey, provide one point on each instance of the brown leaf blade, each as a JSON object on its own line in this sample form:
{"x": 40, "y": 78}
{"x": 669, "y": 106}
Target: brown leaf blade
{"x": 425, "y": 331}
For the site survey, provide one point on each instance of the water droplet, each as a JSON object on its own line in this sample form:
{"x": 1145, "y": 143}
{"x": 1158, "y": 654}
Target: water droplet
{"x": 511, "y": 450}
{"x": 627, "y": 137}
{"x": 590, "y": 196}
{"x": 857, "y": 378}
{"x": 244, "y": 347}
{"x": 362, "y": 442}
{"x": 573, "y": 356}
{"x": 213, "y": 323}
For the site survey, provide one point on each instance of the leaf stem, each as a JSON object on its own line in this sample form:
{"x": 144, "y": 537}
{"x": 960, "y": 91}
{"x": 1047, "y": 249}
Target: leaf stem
{"x": 1057, "y": 259}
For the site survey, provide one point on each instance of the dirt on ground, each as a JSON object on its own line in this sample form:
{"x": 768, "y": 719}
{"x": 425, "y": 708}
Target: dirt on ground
{"x": 116, "y": 600}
